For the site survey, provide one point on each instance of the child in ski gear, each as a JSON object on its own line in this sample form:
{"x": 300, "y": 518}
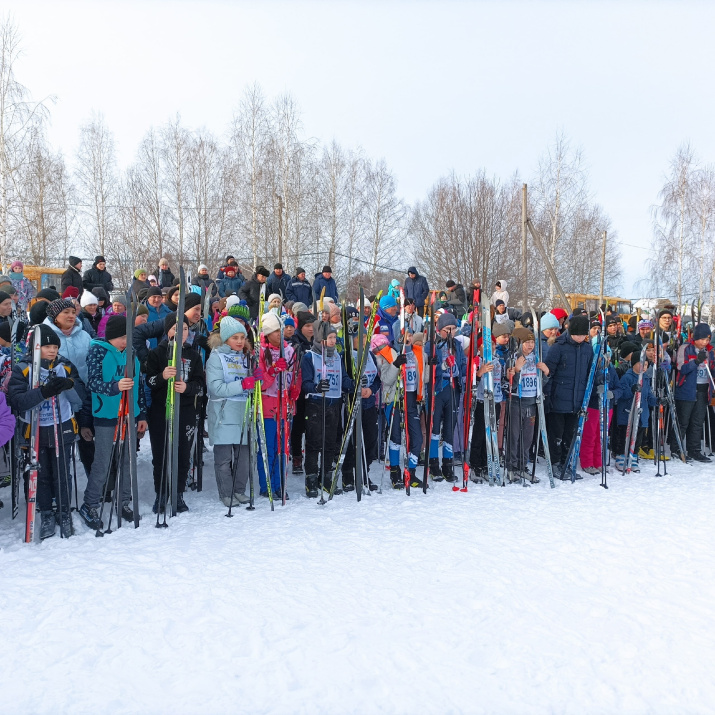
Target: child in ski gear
{"x": 280, "y": 387}
{"x": 24, "y": 287}
{"x": 549, "y": 328}
{"x": 189, "y": 382}
{"x": 569, "y": 364}
{"x": 302, "y": 342}
{"x": 388, "y": 318}
{"x": 500, "y": 293}
{"x": 59, "y": 396}
{"x": 521, "y": 407}
{"x": 693, "y": 390}
{"x": 324, "y": 380}
{"x": 629, "y": 386}
{"x": 451, "y": 366}
{"x": 230, "y": 380}
{"x": 107, "y": 381}
{"x": 231, "y": 283}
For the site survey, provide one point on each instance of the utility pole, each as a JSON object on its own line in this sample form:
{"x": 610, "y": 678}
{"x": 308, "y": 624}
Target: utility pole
{"x": 603, "y": 268}
{"x": 547, "y": 263}
{"x": 524, "y": 271}
{"x": 280, "y": 228}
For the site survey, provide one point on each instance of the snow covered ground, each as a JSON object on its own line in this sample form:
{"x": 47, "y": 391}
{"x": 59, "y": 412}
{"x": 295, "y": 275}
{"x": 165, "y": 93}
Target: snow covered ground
{"x": 502, "y": 600}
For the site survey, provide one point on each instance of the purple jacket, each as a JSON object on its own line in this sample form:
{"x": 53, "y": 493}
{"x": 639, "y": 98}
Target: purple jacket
{"x": 7, "y": 421}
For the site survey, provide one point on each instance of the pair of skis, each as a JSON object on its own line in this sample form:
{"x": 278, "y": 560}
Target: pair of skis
{"x": 490, "y": 416}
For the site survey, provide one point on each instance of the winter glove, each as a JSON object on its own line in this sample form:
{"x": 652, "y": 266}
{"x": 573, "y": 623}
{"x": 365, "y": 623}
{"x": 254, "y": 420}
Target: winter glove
{"x": 450, "y": 361}
{"x": 702, "y": 357}
{"x": 248, "y": 383}
{"x": 323, "y": 386}
{"x": 433, "y": 360}
{"x": 635, "y": 388}
{"x": 55, "y": 385}
{"x": 280, "y": 365}
{"x": 399, "y": 361}
{"x": 258, "y": 373}
{"x": 294, "y": 392}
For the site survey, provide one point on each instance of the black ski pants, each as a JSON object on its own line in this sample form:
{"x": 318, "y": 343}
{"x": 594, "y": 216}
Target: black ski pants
{"x": 314, "y": 433}
{"x": 478, "y": 447}
{"x": 561, "y": 427}
{"x": 521, "y": 420}
{"x": 157, "y": 433}
{"x": 369, "y": 437}
{"x": 691, "y": 416}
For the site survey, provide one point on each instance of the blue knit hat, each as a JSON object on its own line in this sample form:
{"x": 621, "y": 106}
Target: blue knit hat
{"x": 701, "y": 331}
{"x": 388, "y": 302}
{"x": 230, "y": 326}
{"x": 548, "y": 320}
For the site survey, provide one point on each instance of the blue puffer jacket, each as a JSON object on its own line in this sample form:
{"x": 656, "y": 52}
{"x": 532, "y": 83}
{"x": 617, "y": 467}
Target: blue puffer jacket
{"x": 624, "y": 404}
{"x": 569, "y": 363}
{"x": 74, "y": 347}
{"x": 300, "y": 291}
{"x": 441, "y": 377}
{"x": 331, "y": 289}
{"x": 386, "y": 324}
{"x": 686, "y": 382}
{"x": 417, "y": 289}
{"x": 279, "y": 284}
{"x": 230, "y": 285}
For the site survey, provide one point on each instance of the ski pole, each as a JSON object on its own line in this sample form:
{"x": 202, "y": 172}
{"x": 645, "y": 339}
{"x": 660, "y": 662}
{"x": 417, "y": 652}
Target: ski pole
{"x": 57, "y": 462}
{"x": 234, "y": 469}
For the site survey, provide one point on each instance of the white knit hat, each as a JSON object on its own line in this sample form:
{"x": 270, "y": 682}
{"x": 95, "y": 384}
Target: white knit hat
{"x": 232, "y": 300}
{"x": 272, "y": 297}
{"x": 271, "y": 323}
{"x": 88, "y": 298}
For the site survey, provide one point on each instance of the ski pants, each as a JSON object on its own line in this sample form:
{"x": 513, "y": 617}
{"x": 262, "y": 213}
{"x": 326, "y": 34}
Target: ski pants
{"x": 691, "y": 417}
{"x": 314, "y": 433}
{"x": 591, "y": 439}
{"x": 86, "y": 453}
{"x": 444, "y": 414}
{"x": 521, "y": 420}
{"x": 478, "y": 447}
{"x": 369, "y": 438}
{"x": 271, "y": 427}
{"x": 561, "y": 428}
{"x": 225, "y": 456}
{"x": 619, "y": 442}
{"x": 53, "y": 479}
{"x": 103, "y": 468}
{"x": 297, "y": 429}
{"x": 414, "y": 432}
{"x": 157, "y": 433}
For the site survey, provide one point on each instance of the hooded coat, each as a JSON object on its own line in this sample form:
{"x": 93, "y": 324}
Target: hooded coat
{"x": 331, "y": 288}
{"x": 74, "y": 347}
{"x": 94, "y": 278}
{"x": 502, "y": 294}
{"x": 416, "y": 288}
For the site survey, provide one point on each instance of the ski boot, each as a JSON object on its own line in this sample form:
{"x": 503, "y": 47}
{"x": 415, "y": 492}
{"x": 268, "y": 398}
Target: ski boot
{"x": 90, "y": 516}
{"x": 128, "y": 513}
{"x": 635, "y": 467}
{"x": 620, "y": 462}
{"x": 415, "y": 481}
{"x": 530, "y": 478}
{"x": 396, "y": 478}
{"x": 434, "y": 471}
{"x": 646, "y": 453}
{"x": 448, "y": 470}
{"x": 47, "y": 527}
{"x": 298, "y": 464}
{"x": 66, "y": 529}
{"x": 349, "y": 481}
{"x": 312, "y": 482}
{"x": 478, "y": 476}
{"x": 180, "y": 504}
{"x": 159, "y": 507}
{"x": 328, "y": 483}
{"x": 370, "y": 485}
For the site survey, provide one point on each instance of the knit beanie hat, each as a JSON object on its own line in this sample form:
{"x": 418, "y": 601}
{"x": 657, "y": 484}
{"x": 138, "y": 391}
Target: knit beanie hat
{"x": 48, "y": 294}
{"x": 418, "y": 338}
{"x": 16, "y": 264}
{"x": 230, "y": 326}
{"x": 56, "y": 307}
{"x": 154, "y": 290}
{"x": 88, "y": 298}
{"x": 327, "y": 269}
{"x": 272, "y": 297}
{"x": 636, "y": 357}
{"x": 241, "y": 312}
{"x": 387, "y": 302}
{"x": 74, "y": 261}
{"x": 71, "y": 292}
{"x": 498, "y": 303}
{"x": 578, "y": 325}
{"x": 120, "y": 299}
{"x": 38, "y": 312}
{"x": 203, "y": 267}
{"x": 231, "y": 301}
{"x": 4, "y": 296}
{"x": 138, "y": 272}
{"x": 99, "y": 259}
{"x": 304, "y": 318}
{"x": 548, "y": 321}
{"x": 142, "y": 309}
{"x": 627, "y": 347}
{"x": 560, "y": 313}
{"x": 170, "y": 322}
{"x": 299, "y": 270}
{"x": 229, "y": 269}
{"x": 116, "y": 327}
{"x": 299, "y": 307}
{"x": 504, "y": 328}
{"x": 445, "y": 320}
{"x": 192, "y": 299}
{"x": 288, "y": 322}
{"x": 271, "y": 323}
{"x": 278, "y": 266}
{"x": 645, "y": 325}
{"x": 701, "y": 331}
{"x": 47, "y": 337}
{"x": 523, "y": 334}
{"x": 665, "y": 311}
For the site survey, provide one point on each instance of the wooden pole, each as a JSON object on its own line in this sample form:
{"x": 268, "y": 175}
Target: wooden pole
{"x": 549, "y": 268}
{"x": 524, "y": 271}
{"x": 603, "y": 269}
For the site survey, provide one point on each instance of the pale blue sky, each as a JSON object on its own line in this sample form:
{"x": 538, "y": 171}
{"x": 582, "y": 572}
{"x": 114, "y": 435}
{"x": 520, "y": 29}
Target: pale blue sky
{"x": 430, "y": 87}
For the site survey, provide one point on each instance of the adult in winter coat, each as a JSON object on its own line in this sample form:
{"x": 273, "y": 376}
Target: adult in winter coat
{"x": 98, "y": 276}
{"x": 23, "y": 286}
{"x": 164, "y": 276}
{"x": 73, "y": 275}
{"x": 569, "y": 363}
{"x": 232, "y": 281}
{"x": 416, "y": 287}
{"x": 74, "y": 340}
{"x": 251, "y": 290}
{"x": 299, "y": 289}
{"x": 456, "y": 298}
{"x": 90, "y": 310}
{"x": 500, "y": 293}
{"x": 221, "y": 272}
{"x": 139, "y": 284}
{"x": 325, "y": 279}
{"x": 203, "y": 280}
{"x": 278, "y": 281}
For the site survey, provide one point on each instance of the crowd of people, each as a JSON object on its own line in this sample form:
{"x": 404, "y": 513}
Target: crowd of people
{"x": 270, "y": 371}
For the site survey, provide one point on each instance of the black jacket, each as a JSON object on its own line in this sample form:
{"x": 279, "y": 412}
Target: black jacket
{"x": 192, "y": 368}
{"x": 165, "y": 279}
{"x": 250, "y": 291}
{"x": 72, "y": 278}
{"x": 94, "y": 278}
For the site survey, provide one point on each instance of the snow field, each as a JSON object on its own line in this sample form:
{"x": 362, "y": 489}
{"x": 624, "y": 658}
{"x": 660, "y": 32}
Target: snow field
{"x": 502, "y": 600}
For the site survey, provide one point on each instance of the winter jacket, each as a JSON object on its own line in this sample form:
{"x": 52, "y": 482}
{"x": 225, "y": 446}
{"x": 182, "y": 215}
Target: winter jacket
{"x": 149, "y": 332}
{"x": 614, "y": 385}
{"x": 164, "y": 279}
{"x": 417, "y": 289}
{"x": 331, "y": 289}
{"x": 686, "y": 381}
{"x": 72, "y": 278}
{"x": 442, "y": 373}
{"x": 310, "y": 379}
{"x": 291, "y": 377}
{"x": 101, "y": 294}
{"x": 105, "y": 367}
{"x": 386, "y": 324}
{"x": 625, "y": 401}
{"x": 251, "y": 292}
{"x": 502, "y": 294}
{"x": 413, "y": 324}
{"x": 225, "y": 413}
{"x": 87, "y": 326}
{"x": 94, "y": 278}
{"x": 279, "y": 284}
{"x": 205, "y": 283}
{"x": 375, "y": 384}
{"x": 25, "y": 290}
{"x": 157, "y": 314}
{"x": 300, "y": 291}
{"x": 7, "y": 421}
{"x": 93, "y": 320}
{"x": 105, "y": 319}
{"x": 74, "y": 347}
{"x": 457, "y": 299}
{"x": 228, "y": 286}
{"x": 569, "y": 364}
{"x": 191, "y": 369}
{"x": 137, "y": 287}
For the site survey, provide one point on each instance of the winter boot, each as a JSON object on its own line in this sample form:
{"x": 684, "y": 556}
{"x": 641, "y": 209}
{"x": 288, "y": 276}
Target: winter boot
{"x": 415, "y": 481}
{"x": 620, "y": 462}
{"x": 181, "y": 504}
{"x": 348, "y": 481}
{"x": 312, "y": 483}
{"x": 91, "y": 517}
{"x": 128, "y": 513}
{"x": 298, "y": 464}
{"x": 47, "y": 528}
{"x": 698, "y": 457}
{"x": 478, "y": 476}
{"x": 241, "y": 498}
{"x": 635, "y": 467}
{"x": 646, "y": 453}
{"x": 227, "y": 501}
{"x": 66, "y": 529}
{"x": 396, "y": 478}
{"x": 159, "y": 505}
{"x": 327, "y": 483}
{"x": 434, "y": 471}
{"x": 448, "y": 470}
